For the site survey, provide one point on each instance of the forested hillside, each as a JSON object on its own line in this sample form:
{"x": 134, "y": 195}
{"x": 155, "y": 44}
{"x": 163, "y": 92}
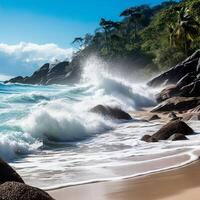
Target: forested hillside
{"x": 147, "y": 38}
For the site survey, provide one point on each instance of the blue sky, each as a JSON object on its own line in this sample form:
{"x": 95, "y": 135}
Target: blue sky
{"x": 55, "y": 22}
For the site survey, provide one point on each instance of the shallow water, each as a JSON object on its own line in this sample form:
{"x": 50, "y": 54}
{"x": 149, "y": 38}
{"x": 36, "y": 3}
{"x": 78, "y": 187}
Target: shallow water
{"x": 48, "y": 135}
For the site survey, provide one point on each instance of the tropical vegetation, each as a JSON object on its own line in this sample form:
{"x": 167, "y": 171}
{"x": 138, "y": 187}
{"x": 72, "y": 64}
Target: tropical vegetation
{"x": 150, "y": 38}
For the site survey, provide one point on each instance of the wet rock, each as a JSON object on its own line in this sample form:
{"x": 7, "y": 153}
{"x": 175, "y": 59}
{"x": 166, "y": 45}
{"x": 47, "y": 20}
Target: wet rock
{"x": 148, "y": 138}
{"x": 178, "y": 136}
{"x": 174, "y": 74}
{"x": 167, "y": 131}
{"x": 167, "y": 93}
{"x": 154, "y": 117}
{"x": 7, "y": 173}
{"x": 177, "y": 104}
{"x": 171, "y": 128}
{"x": 20, "y": 191}
{"x": 108, "y": 111}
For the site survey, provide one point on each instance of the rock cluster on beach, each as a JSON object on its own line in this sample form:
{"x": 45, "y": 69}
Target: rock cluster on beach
{"x": 181, "y": 94}
{"x": 174, "y": 130}
{"x": 182, "y": 80}
{"x": 182, "y": 86}
{"x": 12, "y": 187}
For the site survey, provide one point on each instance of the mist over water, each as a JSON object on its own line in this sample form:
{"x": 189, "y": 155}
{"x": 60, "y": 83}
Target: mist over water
{"x": 42, "y": 126}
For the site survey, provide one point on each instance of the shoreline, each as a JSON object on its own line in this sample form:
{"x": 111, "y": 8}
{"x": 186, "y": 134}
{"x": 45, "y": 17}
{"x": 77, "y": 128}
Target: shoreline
{"x": 182, "y": 178}
{"x": 183, "y": 162}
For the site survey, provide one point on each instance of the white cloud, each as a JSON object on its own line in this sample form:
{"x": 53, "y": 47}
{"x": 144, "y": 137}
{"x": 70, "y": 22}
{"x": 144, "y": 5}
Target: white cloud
{"x": 4, "y": 77}
{"x": 24, "y": 58}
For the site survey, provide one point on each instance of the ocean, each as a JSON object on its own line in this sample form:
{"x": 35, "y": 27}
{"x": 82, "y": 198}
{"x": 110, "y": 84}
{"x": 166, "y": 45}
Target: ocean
{"x": 49, "y": 136}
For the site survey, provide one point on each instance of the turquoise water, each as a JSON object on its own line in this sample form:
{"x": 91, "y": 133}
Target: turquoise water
{"x": 48, "y": 134}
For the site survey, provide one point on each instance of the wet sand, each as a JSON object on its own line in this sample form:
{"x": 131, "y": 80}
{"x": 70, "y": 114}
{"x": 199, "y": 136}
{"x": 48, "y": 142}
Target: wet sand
{"x": 178, "y": 184}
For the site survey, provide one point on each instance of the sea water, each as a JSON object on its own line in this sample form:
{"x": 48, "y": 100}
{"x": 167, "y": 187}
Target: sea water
{"x": 49, "y": 136}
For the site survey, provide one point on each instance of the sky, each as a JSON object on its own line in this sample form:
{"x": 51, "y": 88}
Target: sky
{"x": 37, "y": 31}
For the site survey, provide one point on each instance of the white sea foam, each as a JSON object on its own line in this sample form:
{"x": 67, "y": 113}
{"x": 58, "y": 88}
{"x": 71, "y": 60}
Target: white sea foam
{"x": 58, "y": 121}
{"x": 54, "y": 126}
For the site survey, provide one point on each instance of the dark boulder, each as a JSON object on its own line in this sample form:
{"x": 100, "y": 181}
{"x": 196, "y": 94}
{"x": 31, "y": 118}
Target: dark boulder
{"x": 171, "y": 128}
{"x": 7, "y": 173}
{"x": 108, "y": 111}
{"x": 20, "y": 191}
{"x": 177, "y": 104}
{"x": 178, "y": 136}
{"x": 174, "y": 74}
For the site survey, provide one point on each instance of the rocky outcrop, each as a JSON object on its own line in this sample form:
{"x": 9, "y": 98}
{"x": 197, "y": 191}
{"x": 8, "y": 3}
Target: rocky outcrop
{"x": 114, "y": 113}
{"x": 7, "y": 173}
{"x": 189, "y": 66}
{"x": 177, "y": 104}
{"x": 169, "y": 130}
{"x": 185, "y": 78}
{"x": 59, "y": 73}
{"x": 20, "y": 191}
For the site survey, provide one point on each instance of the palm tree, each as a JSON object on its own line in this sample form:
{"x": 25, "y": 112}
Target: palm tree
{"x": 185, "y": 31}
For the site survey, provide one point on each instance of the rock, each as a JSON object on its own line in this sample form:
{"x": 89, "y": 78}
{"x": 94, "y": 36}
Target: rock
{"x": 187, "y": 79}
{"x": 148, "y": 138}
{"x": 167, "y": 131}
{"x": 178, "y": 136}
{"x": 167, "y": 93}
{"x": 114, "y": 113}
{"x": 7, "y": 173}
{"x": 172, "y": 115}
{"x": 18, "y": 79}
{"x": 174, "y": 74}
{"x": 191, "y": 90}
{"x": 196, "y": 109}
{"x": 153, "y": 117}
{"x": 192, "y": 117}
{"x": 171, "y": 128}
{"x": 59, "y": 73}
{"x": 20, "y": 191}
{"x": 177, "y": 104}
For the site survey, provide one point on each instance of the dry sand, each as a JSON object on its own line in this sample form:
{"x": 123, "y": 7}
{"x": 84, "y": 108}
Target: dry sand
{"x": 177, "y": 184}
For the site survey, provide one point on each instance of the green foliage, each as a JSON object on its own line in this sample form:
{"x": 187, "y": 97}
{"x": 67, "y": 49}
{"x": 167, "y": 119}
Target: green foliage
{"x": 163, "y": 35}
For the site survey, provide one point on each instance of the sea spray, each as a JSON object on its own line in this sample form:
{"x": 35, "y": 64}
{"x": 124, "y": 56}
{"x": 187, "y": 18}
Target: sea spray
{"x": 58, "y": 121}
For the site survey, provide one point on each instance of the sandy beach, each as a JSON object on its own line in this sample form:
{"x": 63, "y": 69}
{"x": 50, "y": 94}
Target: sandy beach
{"x": 178, "y": 184}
